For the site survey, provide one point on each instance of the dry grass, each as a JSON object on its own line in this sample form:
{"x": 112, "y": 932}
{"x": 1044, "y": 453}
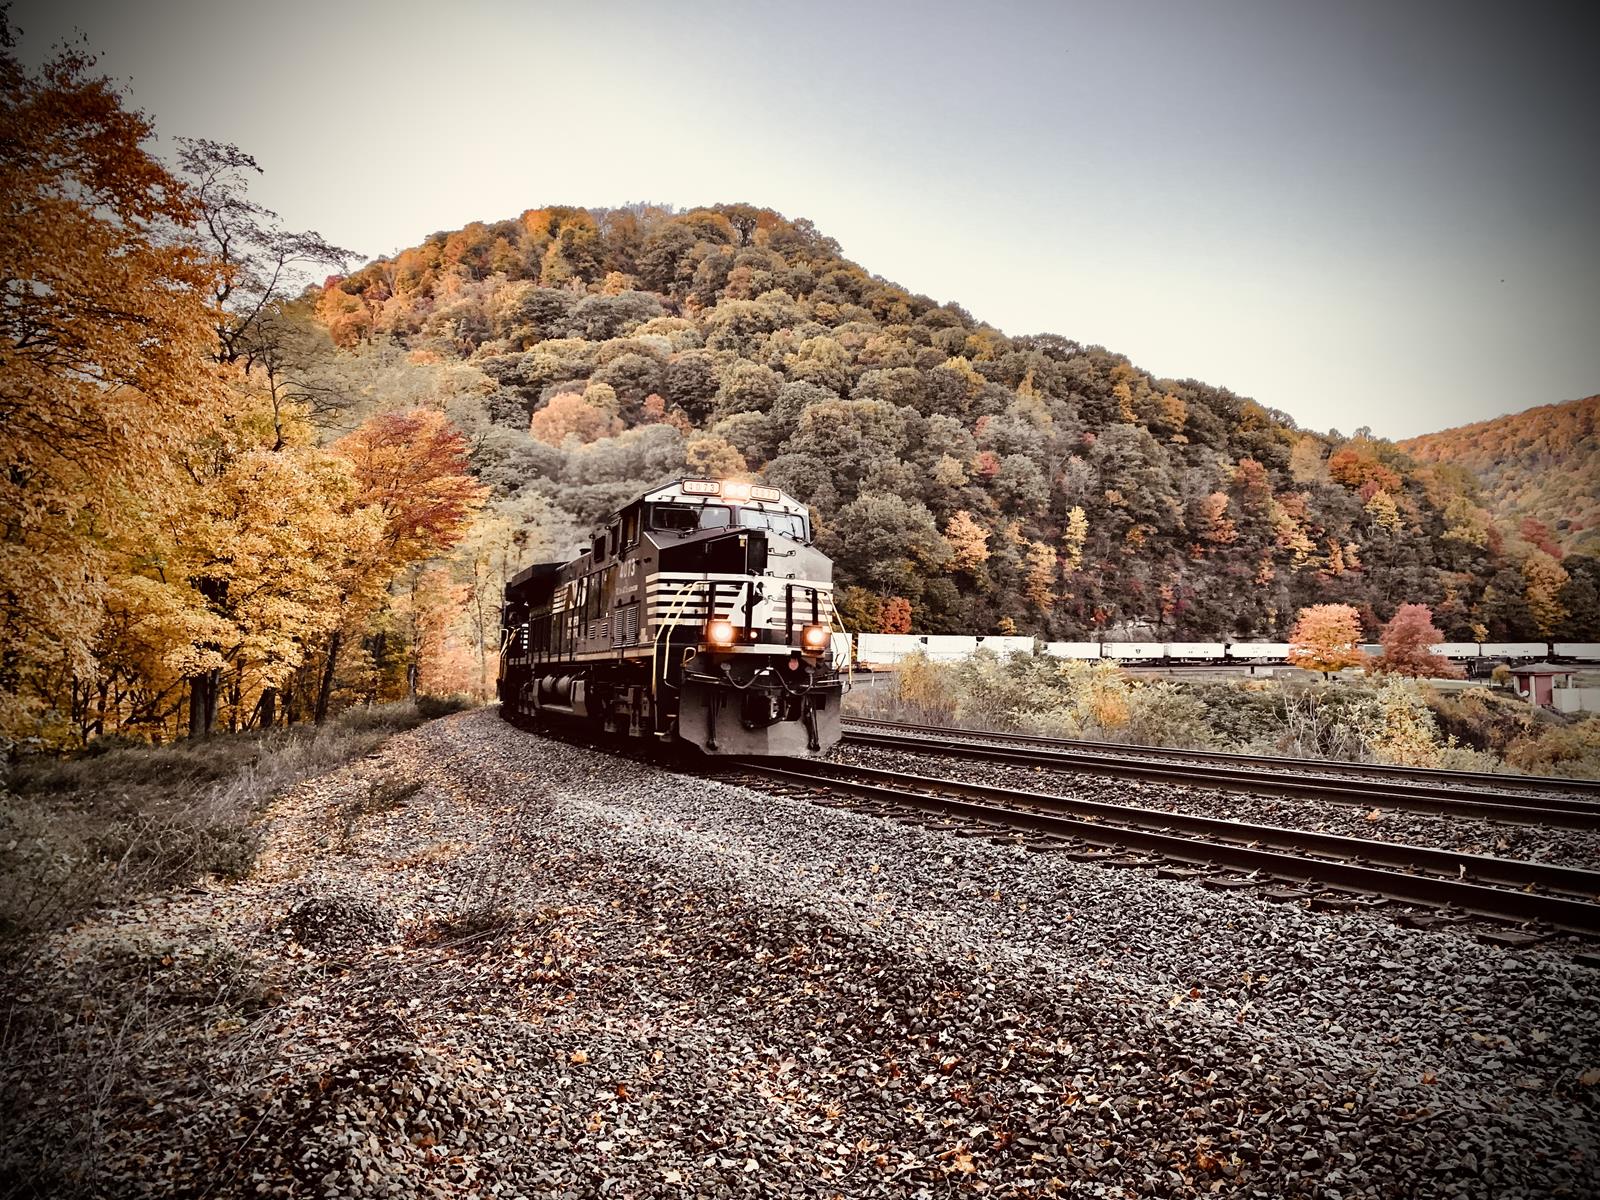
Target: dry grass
{"x": 120, "y": 1012}
{"x": 116, "y": 821}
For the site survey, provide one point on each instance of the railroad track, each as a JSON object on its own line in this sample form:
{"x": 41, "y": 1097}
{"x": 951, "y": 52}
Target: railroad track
{"x": 1515, "y": 799}
{"x": 1522, "y": 892}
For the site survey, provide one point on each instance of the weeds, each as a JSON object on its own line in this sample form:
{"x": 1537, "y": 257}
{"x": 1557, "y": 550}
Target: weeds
{"x": 485, "y": 907}
{"x": 1389, "y": 721}
{"x": 384, "y": 794}
{"x": 121, "y": 820}
{"x": 107, "y": 1020}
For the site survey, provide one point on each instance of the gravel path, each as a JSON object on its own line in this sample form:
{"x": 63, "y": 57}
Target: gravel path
{"x": 545, "y": 972}
{"x": 1568, "y": 847}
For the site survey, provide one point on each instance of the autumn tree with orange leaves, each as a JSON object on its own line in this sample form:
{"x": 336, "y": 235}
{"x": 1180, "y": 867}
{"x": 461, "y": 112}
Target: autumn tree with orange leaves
{"x": 1326, "y": 638}
{"x": 411, "y": 469}
{"x": 895, "y": 616}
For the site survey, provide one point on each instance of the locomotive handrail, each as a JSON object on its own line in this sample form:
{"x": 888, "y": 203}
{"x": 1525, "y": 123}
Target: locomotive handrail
{"x": 675, "y": 607}
{"x": 849, "y": 666}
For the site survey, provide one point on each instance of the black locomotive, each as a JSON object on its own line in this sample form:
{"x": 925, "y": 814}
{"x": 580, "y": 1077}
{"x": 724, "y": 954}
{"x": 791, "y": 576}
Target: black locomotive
{"x": 699, "y": 613}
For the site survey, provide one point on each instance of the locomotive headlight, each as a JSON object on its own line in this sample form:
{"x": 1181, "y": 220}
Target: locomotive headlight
{"x": 719, "y": 632}
{"x": 814, "y": 637}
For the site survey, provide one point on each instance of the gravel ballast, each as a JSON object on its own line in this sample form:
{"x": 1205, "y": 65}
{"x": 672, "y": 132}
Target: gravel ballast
{"x": 551, "y": 972}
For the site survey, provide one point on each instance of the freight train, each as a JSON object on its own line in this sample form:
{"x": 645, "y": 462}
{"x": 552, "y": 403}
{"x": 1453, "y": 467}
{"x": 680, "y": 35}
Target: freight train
{"x": 698, "y": 614}
{"x": 886, "y": 649}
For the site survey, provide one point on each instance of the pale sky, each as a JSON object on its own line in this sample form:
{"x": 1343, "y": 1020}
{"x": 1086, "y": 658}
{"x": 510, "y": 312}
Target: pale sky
{"x": 1362, "y": 214}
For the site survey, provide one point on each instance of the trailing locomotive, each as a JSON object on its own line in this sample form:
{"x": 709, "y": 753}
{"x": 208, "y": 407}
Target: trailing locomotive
{"x": 698, "y": 613}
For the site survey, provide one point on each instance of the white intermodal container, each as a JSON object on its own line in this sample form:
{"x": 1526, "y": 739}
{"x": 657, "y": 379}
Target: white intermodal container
{"x": 1455, "y": 649}
{"x": 1515, "y": 650}
{"x": 948, "y": 647}
{"x": 885, "y": 649}
{"x": 1135, "y": 651}
{"x": 1072, "y": 649}
{"x": 1256, "y": 651}
{"x": 1196, "y": 650}
{"x": 1582, "y": 651}
{"x": 1003, "y": 645}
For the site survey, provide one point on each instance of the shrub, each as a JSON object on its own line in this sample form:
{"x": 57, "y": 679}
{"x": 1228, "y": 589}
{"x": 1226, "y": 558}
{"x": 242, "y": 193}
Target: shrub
{"x": 923, "y": 692}
{"x": 1571, "y": 752}
{"x": 1165, "y": 715}
{"x": 431, "y": 707}
{"x": 1409, "y": 736}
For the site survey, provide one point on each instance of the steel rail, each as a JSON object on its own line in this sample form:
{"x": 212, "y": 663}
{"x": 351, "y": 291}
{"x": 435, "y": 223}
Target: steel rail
{"x": 1471, "y": 883}
{"x": 1577, "y": 787}
{"x": 1555, "y": 811}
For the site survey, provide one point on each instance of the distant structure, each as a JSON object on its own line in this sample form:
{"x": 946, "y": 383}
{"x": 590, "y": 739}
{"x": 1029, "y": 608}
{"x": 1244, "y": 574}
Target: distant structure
{"x": 1536, "y": 682}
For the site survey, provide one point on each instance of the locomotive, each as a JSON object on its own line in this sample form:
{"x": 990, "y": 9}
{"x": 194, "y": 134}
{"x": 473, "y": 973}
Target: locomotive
{"x": 699, "y": 613}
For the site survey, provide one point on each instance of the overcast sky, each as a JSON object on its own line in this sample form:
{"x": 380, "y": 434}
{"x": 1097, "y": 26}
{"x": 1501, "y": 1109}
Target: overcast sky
{"x": 1375, "y": 214}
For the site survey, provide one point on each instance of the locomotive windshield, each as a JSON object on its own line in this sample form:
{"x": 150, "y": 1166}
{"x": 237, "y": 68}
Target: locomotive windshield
{"x": 693, "y": 518}
{"x": 688, "y": 518}
{"x": 788, "y": 524}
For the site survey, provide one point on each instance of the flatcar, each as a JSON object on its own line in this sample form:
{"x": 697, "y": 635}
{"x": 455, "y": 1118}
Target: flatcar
{"x": 699, "y": 613}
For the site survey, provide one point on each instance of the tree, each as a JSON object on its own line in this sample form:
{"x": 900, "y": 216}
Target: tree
{"x": 1383, "y": 511}
{"x": 1216, "y": 527}
{"x": 969, "y": 542}
{"x": 569, "y": 415}
{"x": 1408, "y": 640}
{"x": 411, "y": 469}
{"x": 1073, "y": 539}
{"x": 1580, "y": 597}
{"x": 1545, "y": 579}
{"x": 715, "y": 458}
{"x": 1326, "y": 638}
{"x": 103, "y": 335}
{"x": 1040, "y": 586}
{"x": 261, "y": 262}
{"x": 885, "y": 542}
{"x": 895, "y": 615}
{"x": 254, "y": 557}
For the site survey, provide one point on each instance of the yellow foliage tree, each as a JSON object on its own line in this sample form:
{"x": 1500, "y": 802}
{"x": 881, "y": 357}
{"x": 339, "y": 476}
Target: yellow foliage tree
{"x": 1072, "y": 541}
{"x": 1383, "y": 511}
{"x": 104, "y": 335}
{"x": 1545, "y": 578}
{"x": 257, "y": 556}
{"x": 1409, "y": 733}
{"x": 715, "y": 458}
{"x": 969, "y": 542}
{"x": 1040, "y": 582}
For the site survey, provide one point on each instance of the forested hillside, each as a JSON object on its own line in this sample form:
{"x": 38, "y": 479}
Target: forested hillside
{"x": 1539, "y": 470}
{"x": 992, "y": 482}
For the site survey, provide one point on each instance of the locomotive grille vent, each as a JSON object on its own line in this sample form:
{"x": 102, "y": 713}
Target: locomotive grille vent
{"x": 625, "y": 630}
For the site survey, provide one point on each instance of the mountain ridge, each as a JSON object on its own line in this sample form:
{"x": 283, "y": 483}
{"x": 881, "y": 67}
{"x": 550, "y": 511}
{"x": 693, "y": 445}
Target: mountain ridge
{"x": 1028, "y": 482}
{"x": 1539, "y": 468}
